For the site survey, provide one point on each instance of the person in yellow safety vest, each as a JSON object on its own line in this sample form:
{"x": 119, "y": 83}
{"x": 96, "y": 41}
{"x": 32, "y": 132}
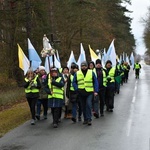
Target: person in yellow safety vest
{"x": 86, "y": 84}
{"x": 55, "y": 85}
{"x": 110, "y": 90}
{"x": 126, "y": 71}
{"x": 32, "y": 86}
{"x": 102, "y": 81}
{"x": 91, "y": 65}
{"x": 137, "y": 68}
{"x": 73, "y": 95}
{"x": 122, "y": 73}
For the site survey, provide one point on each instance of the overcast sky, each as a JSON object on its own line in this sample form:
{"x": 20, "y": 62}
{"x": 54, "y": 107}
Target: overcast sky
{"x": 140, "y": 9}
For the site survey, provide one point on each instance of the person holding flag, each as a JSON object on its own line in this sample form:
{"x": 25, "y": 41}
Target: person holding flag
{"x": 55, "y": 84}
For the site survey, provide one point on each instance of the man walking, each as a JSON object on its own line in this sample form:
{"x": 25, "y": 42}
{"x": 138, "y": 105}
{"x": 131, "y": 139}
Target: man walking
{"x": 137, "y": 68}
{"x": 86, "y": 84}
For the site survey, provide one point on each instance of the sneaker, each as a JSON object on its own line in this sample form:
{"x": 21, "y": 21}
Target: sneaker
{"x": 96, "y": 115}
{"x": 59, "y": 120}
{"x": 79, "y": 119}
{"x": 69, "y": 116}
{"x": 55, "y": 125}
{"x": 65, "y": 115}
{"x": 45, "y": 117}
{"x": 89, "y": 123}
{"x": 32, "y": 122}
{"x": 111, "y": 110}
{"x": 73, "y": 119}
{"x": 37, "y": 117}
{"x": 107, "y": 109}
{"x": 102, "y": 115}
{"x": 85, "y": 122}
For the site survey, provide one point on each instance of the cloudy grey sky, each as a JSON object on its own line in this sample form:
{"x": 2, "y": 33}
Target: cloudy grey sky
{"x": 140, "y": 9}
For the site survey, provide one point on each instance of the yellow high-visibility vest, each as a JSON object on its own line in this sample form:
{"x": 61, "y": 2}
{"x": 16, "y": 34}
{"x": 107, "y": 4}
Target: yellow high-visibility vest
{"x": 33, "y": 89}
{"x": 111, "y": 74}
{"x": 71, "y": 86}
{"x": 56, "y": 91}
{"x": 137, "y": 66}
{"x": 85, "y": 82}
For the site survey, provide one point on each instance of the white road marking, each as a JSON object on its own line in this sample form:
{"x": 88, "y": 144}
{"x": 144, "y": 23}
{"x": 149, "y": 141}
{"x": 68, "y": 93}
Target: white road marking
{"x": 129, "y": 122}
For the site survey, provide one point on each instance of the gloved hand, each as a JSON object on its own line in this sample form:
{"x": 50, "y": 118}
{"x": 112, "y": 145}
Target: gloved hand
{"x": 108, "y": 79}
{"x": 34, "y": 85}
{"x": 44, "y": 77}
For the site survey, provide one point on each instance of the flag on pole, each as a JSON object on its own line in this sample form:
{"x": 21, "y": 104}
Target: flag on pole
{"x": 71, "y": 60}
{"x": 82, "y": 51}
{"x": 56, "y": 62}
{"x": 49, "y": 63}
{"x": 132, "y": 60}
{"x": 33, "y": 56}
{"x": 58, "y": 59}
{"x": 111, "y": 53}
{"x": 127, "y": 59}
{"x": 104, "y": 56}
{"x": 24, "y": 63}
{"x": 82, "y": 56}
{"x": 120, "y": 60}
{"x": 94, "y": 57}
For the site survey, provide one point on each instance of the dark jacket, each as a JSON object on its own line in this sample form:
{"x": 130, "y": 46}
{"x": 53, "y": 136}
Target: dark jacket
{"x": 42, "y": 93}
{"x": 72, "y": 95}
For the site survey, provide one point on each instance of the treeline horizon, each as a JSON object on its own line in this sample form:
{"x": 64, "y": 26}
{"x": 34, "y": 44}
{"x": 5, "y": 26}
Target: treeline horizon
{"x": 94, "y": 22}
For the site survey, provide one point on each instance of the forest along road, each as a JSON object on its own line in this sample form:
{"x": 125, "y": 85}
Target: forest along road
{"x": 127, "y": 128}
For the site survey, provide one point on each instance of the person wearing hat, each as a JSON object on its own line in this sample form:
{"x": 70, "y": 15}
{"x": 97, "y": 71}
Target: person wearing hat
{"x": 32, "y": 86}
{"x": 73, "y": 95}
{"x": 91, "y": 65}
{"x": 43, "y": 97}
{"x": 55, "y": 84}
{"x": 102, "y": 82}
{"x": 86, "y": 84}
{"x": 110, "y": 89}
{"x": 65, "y": 74}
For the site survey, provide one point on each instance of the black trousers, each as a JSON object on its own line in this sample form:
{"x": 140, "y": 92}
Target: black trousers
{"x": 110, "y": 97}
{"x": 32, "y": 104}
{"x": 137, "y": 72}
{"x": 56, "y": 112}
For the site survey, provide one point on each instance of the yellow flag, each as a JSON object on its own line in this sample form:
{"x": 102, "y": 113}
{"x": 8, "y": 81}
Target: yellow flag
{"x": 24, "y": 63}
{"x": 94, "y": 57}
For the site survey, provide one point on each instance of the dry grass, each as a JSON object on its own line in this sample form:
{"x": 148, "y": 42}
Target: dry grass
{"x": 13, "y": 117}
{"x": 14, "y": 109}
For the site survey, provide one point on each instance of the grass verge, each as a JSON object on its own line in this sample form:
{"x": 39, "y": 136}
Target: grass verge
{"x": 13, "y": 117}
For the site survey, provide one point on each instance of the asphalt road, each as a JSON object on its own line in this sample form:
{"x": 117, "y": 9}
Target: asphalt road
{"x": 127, "y": 128}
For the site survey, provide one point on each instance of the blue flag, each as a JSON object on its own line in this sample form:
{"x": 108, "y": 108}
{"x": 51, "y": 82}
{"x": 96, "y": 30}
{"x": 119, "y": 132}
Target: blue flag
{"x": 33, "y": 56}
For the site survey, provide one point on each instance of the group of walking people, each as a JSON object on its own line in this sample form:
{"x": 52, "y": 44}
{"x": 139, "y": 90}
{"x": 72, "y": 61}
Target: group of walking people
{"x": 81, "y": 93}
